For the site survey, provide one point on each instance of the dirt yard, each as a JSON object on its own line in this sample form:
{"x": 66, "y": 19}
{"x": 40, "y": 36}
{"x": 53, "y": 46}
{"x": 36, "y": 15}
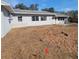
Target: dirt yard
{"x": 45, "y": 42}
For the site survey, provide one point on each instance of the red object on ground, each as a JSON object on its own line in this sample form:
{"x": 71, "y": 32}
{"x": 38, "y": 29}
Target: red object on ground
{"x": 46, "y": 51}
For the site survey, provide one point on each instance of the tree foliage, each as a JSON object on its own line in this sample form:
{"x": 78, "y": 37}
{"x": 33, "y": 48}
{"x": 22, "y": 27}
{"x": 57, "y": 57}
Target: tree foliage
{"x": 33, "y": 7}
{"x": 73, "y": 16}
{"x": 21, "y": 6}
{"x": 48, "y": 9}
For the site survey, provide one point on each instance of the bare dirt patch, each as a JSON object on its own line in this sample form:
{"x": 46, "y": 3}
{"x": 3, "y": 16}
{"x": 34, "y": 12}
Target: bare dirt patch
{"x": 31, "y": 42}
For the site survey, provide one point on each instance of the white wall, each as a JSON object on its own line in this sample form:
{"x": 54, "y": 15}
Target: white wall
{"x": 27, "y": 21}
{"x": 5, "y": 26}
{"x": 61, "y": 22}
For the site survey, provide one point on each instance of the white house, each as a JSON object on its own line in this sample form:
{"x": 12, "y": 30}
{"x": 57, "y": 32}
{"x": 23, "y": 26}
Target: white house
{"x": 12, "y": 18}
{"x": 5, "y": 18}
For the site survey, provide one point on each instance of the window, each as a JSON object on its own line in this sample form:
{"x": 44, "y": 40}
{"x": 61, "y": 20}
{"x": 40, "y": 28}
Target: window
{"x": 43, "y": 18}
{"x": 20, "y": 18}
{"x": 53, "y": 17}
{"x": 56, "y": 18}
{"x": 60, "y": 18}
{"x": 35, "y": 18}
{"x": 10, "y": 18}
{"x": 9, "y": 21}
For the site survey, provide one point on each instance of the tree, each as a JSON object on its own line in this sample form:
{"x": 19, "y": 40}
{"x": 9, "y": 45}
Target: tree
{"x": 34, "y": 7}
{"x": 45, "y": 9}
{"x": 73, "y": 16}
{"x": 21, "y": 6}
{"x": 48, "y": 9}
{"x": 51, "y": 9}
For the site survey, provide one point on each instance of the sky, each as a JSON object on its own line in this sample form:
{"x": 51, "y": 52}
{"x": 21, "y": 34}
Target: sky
{"x": 58, "y": 5}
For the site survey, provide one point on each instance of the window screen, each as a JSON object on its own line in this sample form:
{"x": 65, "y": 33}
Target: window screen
{"x": 43, "y": 18}
{"x": 19, "y": 18}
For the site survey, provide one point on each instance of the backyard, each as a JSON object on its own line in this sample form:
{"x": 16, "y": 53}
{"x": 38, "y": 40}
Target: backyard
{"x": 43, "y": 42}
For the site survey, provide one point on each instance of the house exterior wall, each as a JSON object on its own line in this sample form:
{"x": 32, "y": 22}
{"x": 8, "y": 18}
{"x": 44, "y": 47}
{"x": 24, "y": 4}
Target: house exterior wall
{"x": 65, "y": 21}
{"x": 59, "y": 21}
{"x": 27, "y": 21}
{"x": 5, "y": 25}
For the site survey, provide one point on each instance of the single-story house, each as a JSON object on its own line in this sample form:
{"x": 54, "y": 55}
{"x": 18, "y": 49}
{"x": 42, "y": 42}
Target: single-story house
{"x": 11, "y": 18}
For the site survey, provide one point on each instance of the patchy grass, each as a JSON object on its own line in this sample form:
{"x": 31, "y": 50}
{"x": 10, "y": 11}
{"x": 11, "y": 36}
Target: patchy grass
{"x": 30, "y": 43}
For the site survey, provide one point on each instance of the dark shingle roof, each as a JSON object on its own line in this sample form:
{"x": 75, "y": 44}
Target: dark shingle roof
{"x": 6, "y": 6}
{"x": 19, "y": 11}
